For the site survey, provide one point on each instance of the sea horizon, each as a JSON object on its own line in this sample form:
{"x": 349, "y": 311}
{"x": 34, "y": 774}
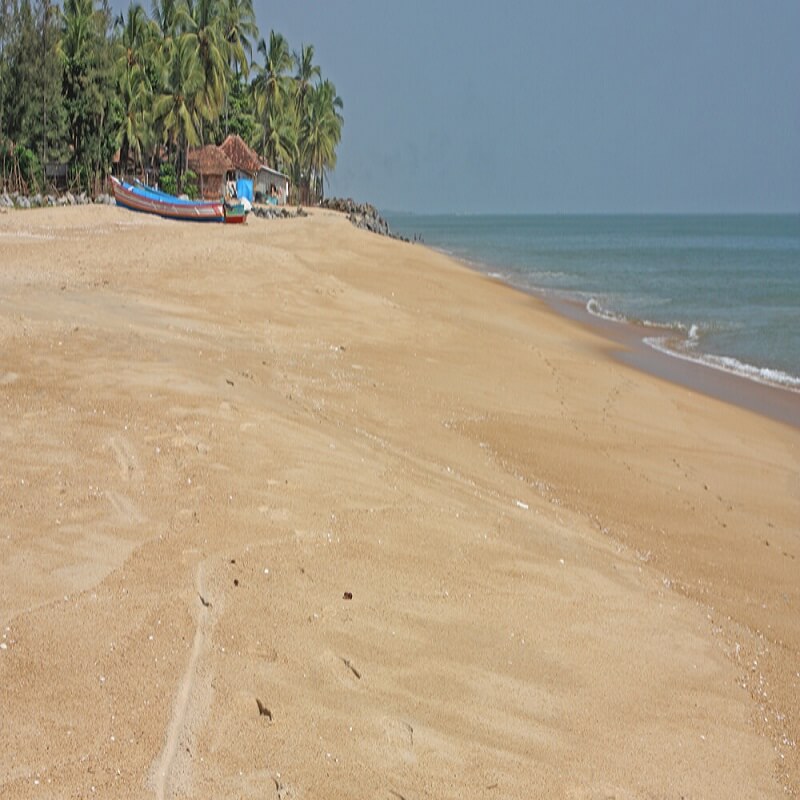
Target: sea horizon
{"x": 393, "y": 212}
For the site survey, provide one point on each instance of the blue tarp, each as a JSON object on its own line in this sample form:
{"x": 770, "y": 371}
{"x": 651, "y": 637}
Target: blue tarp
{"x": 244, "y": 189}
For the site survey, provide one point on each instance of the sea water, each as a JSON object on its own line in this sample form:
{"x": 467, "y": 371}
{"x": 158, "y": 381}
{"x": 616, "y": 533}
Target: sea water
{"x": 720, "y": 290}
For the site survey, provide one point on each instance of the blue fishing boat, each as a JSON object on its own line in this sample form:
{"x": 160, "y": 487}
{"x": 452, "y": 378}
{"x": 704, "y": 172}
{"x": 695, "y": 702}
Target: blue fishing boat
{"x": 152, "y": 201}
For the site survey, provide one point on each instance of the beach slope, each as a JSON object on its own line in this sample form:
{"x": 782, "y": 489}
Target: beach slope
{"x": 293, "y": 510}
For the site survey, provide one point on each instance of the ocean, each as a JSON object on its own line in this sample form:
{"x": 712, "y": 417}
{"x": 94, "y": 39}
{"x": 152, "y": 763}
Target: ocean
{"x": 723, "y": 291}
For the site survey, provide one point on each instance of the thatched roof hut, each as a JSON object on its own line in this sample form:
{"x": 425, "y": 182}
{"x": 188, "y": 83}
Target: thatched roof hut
{"x": 245, "y": 160}
{"x": 212, "y": 167}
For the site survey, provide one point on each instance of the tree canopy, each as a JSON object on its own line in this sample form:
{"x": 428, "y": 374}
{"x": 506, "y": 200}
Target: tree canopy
{"x": 150, "y": 86}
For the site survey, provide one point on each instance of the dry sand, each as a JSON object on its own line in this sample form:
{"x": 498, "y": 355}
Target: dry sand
{"x": 569, "y": 579}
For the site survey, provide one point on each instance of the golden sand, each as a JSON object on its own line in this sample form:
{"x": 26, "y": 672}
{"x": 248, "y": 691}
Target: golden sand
{"x": 291, "y": 510}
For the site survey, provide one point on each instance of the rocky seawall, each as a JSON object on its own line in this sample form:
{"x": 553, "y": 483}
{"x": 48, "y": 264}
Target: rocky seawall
{"x": 362, "y": 215}
{"x": 277, "y": 212}
{"x": 17, "y": 200}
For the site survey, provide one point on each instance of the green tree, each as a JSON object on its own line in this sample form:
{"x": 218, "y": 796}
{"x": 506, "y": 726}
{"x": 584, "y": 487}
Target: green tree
{"x": 146, "y": 82}
{"x": 176, "y": 107}
{"x": 33, "y": 117}
{"x": 20, "y": 68}
{"x": 279, "y": 134}
{"x": 88, "y": 86}
{"x": 6, "y": 20}
{"x": 167, "y": 19}
{"x": 320, "y": 133}
{"x": 50, "y": 135}
{"x": 166, "y": 24}
{"x": 308, "y": 73}
{"x": 271, "y": 91}
{"x": 241, "y": 118}
{"x": 135, "y": 92}
{"x": 205, "y": 36}
{"x": 239, "y": 30}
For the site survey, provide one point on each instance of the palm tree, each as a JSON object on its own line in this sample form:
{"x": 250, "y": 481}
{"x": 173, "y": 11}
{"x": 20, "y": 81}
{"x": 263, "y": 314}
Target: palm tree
{"x": 279, "y": 135}
{"x": 271, "y": 81}
{"x": 204, "y": 35}
{"x": 135, "y": 95}
{"x": 87, "y": 83}
{"x": 307, "y": 73}
{"x": 133, "y": 84}
{"x": 271, "y": 85}
{"x": 133, "y": 35}
{"x": 239, "y": 30}
{"x": 176, "y": 108}
{"x": 168, "y": 18}
{"x": 320, "y": 133}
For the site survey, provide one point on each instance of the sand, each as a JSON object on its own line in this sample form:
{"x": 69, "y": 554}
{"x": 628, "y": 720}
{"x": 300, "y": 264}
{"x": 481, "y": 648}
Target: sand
{"x": 291, "y": 510}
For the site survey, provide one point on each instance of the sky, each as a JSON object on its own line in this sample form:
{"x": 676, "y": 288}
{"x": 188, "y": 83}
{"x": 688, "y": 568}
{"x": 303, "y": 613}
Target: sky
{"x": 573, "y": 106}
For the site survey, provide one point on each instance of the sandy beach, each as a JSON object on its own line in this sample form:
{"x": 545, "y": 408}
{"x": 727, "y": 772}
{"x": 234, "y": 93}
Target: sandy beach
{"x": 292, "y": 510}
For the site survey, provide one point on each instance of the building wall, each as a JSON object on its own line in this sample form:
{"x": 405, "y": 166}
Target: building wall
{"x": 212, "y": 187}
{"x": 265, "y": 181}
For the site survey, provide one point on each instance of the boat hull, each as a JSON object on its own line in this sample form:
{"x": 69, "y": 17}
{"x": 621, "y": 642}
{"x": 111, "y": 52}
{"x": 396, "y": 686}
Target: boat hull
{"x": 163, "y": 205}
{"x": 235, "y": 214}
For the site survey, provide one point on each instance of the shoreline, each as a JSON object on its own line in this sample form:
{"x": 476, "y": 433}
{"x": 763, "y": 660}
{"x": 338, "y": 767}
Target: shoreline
{"x": 776, "y": 402}
{"x": 291, "y": 505}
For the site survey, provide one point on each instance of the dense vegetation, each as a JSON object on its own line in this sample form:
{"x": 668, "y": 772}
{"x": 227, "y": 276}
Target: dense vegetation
{"x": 78, "y": 85}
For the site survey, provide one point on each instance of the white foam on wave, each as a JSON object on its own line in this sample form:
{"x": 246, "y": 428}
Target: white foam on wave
{"x": 596, "y": 310}
{"x": 765, "y": 375}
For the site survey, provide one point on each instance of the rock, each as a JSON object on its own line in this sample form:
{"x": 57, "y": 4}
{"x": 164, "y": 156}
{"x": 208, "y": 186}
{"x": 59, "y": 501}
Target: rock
{"x": 70, "y": 198}
{"x": 6, "y": 201}
{"x": 364, "y": 216}
{"x": 51, "y": 200}
{"x": 23, "y": 202}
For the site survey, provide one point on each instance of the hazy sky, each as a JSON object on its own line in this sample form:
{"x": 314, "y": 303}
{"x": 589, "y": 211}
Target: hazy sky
{"x": 679, "y": 105}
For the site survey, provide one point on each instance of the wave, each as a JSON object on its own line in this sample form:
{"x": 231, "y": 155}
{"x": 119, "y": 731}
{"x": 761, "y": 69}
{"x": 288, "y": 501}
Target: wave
{"x": 682, "y": 341}
{"x": 766, "y": 375}
{"x": 594, "y": 308}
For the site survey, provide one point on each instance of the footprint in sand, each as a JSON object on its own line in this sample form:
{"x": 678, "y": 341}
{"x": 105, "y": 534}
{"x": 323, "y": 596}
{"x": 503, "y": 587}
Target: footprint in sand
{"x": 400, "y": 736}
{"x": 178, "y": 728}
{"x": 126, "y": 458}
{"x": 126, "y": 511}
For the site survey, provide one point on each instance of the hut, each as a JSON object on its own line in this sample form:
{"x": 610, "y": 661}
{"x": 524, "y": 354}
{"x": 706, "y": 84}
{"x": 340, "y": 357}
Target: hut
{"x": 273, "y": 185}
{"x": 245, "y": 160}
{"x": 246, "y": 164}
{"x": 212, "y": 167}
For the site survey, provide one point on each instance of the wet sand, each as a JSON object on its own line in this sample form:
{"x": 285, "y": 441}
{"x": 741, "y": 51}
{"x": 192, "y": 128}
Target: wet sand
{"x": 293, "y": 510}
{"x": 778, "y": 403}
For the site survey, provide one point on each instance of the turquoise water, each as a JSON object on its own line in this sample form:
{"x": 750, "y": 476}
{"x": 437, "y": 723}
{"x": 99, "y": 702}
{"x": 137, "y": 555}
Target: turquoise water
{"x": 721, "y": 290}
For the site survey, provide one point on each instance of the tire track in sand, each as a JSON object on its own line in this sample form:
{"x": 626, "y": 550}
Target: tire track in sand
{"x": 175, "y": 730}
